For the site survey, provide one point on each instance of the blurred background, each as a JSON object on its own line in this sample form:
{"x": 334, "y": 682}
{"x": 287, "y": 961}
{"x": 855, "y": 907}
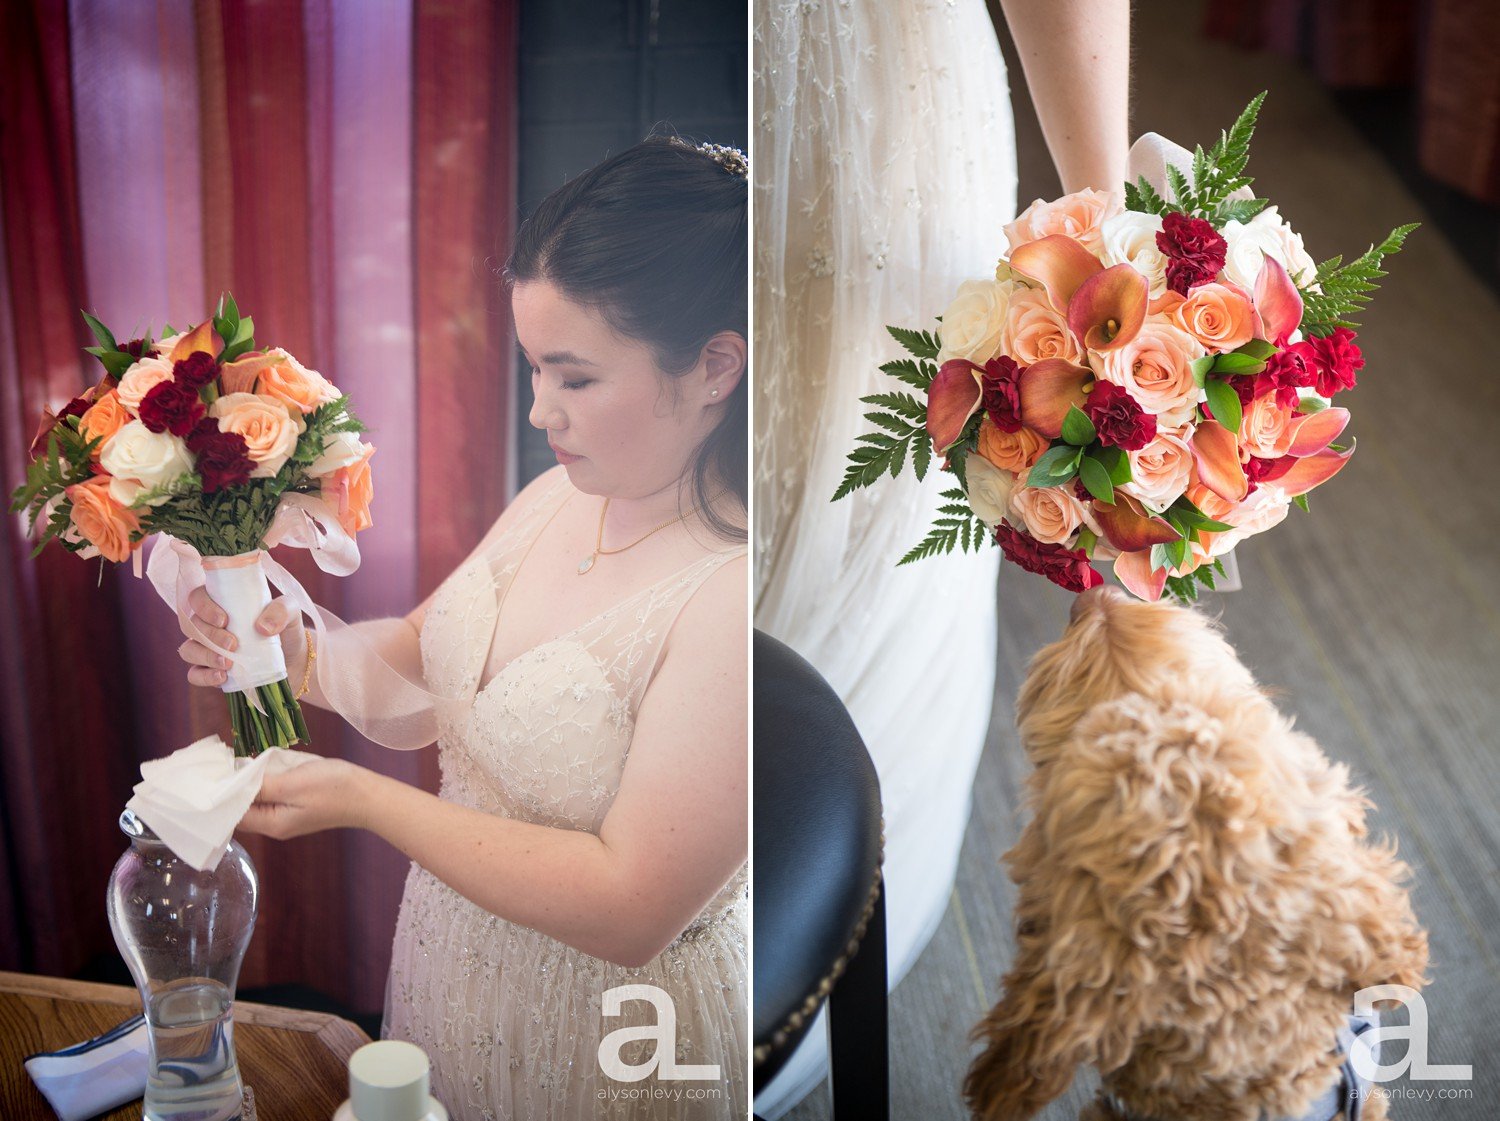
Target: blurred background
{"x": 1376, "y": 618}
{"x": 353, "y": 171}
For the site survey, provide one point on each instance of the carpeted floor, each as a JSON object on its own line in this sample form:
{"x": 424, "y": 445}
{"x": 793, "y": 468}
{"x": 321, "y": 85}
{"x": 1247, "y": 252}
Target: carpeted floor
{"x": 1377, "y": 618}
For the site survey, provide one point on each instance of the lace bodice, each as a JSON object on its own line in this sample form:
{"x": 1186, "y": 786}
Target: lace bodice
{"x": 510, "y": 1017}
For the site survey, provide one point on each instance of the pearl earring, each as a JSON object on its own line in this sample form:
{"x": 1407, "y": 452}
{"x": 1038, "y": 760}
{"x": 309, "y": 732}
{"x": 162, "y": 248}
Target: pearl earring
{"x": 713, "y": 392}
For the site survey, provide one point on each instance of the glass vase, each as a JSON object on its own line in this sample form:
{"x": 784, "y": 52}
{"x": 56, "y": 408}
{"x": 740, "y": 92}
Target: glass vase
{"x": 183, "y": 933}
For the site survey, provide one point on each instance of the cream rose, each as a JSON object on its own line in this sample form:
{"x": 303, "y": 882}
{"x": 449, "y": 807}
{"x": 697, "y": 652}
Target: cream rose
{"x": 1078, "y": 215}
{"x": 1050, "y": 514}
{"x": 1265, "y": 234}
{"x": 974, "y": 321}
{"x": 1129, "y": 238}
{"x": 1219, "y": 316}
{"x": 1265, "y": 428}
{"x": 140, "y": 379}
{"x": 269, "y": 428}
{"x": 1160, "y": 471}
{"x": 342, "y": 449}
{"x": 1033, "y": 330}
{"x": 989, "y": 489}
{"x": 1156, "y": 368}
{"x": 140, "y": 460}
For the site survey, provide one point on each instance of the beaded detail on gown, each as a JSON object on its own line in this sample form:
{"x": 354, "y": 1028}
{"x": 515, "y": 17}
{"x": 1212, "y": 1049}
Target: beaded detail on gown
{"x": 511, "y": 1018}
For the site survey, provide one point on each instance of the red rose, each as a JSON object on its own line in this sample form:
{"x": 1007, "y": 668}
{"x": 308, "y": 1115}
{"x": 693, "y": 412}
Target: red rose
{"x": 223, "y": 457}
{"x": 1194, "y": 250}
{"x": 1336, "y": 358}
{"x": 1000, "y": 391}
{"x": 1118, "y": 418}
{"x": 1288, "y": 370}
{"x": 1067, "y": 568}
{"x": 197, "y": 369}
{"x": 171, "y": 406}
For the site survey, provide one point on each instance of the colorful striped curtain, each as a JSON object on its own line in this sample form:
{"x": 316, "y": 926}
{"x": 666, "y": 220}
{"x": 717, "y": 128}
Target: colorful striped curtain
{"x": 347, "y": 170}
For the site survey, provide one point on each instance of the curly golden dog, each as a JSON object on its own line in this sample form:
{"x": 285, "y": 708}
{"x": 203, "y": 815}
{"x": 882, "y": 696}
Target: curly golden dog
{"x": 1198, "y": 899}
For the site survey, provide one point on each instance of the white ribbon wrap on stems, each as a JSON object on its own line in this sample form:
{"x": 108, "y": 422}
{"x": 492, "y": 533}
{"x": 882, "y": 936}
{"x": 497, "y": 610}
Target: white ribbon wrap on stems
{"x": 370, "y": 673}
{"x": 238, "y": 585}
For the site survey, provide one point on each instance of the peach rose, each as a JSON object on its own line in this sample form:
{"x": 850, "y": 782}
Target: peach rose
{"x": 1265, "y": 429}
{"x": 1078, "y": 215}
{"x": 1050, "y": 514}
{"x": 349, "y": 490}
{"x": 1220, "y": 316}
{"x": 1034, "y": 331}
{"x": 1160, "y": 471}
{"x": 1264, "y": 508}
{"x": 1211, "y": 544}
{"x": 270, "y": 429}
{"x": 141, "y": 379}
{"x": 1156, "y": 368}
{"x": 100, "y": 520}
{"x": 104, "y": 418}
{"x": 293, "y": 384}
{"x": 1010, "y": 451}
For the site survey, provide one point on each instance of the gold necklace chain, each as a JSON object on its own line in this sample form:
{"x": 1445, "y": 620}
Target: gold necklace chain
{"x": 587, "y": 563}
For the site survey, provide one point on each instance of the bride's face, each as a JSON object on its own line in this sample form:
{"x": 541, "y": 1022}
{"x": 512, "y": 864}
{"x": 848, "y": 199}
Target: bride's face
{"x": 620, "y": 426}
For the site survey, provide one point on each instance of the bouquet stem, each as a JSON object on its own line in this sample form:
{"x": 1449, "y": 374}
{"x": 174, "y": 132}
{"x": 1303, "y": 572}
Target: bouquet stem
{"x": 279, "y": 725}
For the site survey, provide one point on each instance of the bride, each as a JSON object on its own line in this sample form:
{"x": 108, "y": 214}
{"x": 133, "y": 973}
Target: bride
{"x": 591, "y": 830}
{"x": 885, "y": 173}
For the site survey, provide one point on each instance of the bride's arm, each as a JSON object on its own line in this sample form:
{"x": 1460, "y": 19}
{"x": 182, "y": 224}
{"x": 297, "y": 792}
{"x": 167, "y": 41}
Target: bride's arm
{"x": 675, "y": 834}
{"x": 1076, "y": 54}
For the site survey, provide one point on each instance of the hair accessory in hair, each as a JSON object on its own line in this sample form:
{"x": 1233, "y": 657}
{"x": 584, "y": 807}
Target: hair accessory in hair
{"x": 730, "y": 159}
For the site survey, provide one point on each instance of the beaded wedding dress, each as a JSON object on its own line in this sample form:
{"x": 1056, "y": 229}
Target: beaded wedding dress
{"x": 884, "y": 171}
{"x": 511, "y": 1018}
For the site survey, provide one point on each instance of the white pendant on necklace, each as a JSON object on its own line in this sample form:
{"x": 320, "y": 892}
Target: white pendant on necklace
{"x": 586, "y": 563}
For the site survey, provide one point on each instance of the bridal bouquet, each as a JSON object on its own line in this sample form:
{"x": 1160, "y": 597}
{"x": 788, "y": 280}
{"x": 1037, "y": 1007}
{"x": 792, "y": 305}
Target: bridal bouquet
{"x": 1146, "y": 381}
{"x": 221, "y": 451}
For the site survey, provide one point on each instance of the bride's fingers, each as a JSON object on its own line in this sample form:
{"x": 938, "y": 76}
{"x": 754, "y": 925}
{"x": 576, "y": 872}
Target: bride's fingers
{"x": 205, "y": 608}
{"x": 214, "y": 634}
{"x": 196, "y": 654}
{"x": 208, "y": 678}
{"x": 275, "y": 617}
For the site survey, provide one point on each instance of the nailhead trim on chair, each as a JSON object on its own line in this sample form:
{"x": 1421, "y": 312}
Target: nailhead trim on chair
{"x": 816, "y": 998}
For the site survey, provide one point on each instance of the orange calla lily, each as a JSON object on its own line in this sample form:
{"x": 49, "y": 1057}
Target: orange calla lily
{"x": 1216, "y": 453}
{"x": 1049, "y": 388}
{"x": 240, "y": 375}
{"x": 1140, "y": 579}
{"x": 952, "y": 398}
{"x": 1315, "y": 431}
{"x": 1311, "y": 471}
{"x": 1128, "y": 527}
{"x": 1059, "y": 264}
{"x": 1277, "y": 301}
{"x": 202, "y": 337}
{"x": 1109, "y": 307}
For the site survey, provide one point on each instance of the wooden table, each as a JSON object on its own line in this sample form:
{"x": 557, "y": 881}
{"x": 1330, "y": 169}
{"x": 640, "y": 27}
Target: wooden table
{"x": 295, "y": 1062}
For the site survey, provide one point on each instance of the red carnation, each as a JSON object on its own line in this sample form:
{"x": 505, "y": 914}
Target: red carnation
{"x": 1000, "y": 390}
{"x": 1067, "y": 568}
{"x": 1118, "y": 418}
{"x": 171, "y": 406}
{"x": 1336, "y": 358}
{"x": 1195, "y": 251}
{"x": 1288, "y": 370}
{"x": 136, "y": 348}
{"x": 197, "y": 369}
{"x": 223, "y": 457}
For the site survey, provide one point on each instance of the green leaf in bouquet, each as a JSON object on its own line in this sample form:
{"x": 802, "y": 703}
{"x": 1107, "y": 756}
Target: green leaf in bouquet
{"x": 920, "y": 344}
{"x": 1200, "y": 368}
{"x": 1183, "y": 511}
{"x": 1257, "y": 348}
{"x": 1182, "y": 191}
{"x": 902, "y": 404}
{"x": 1309, "y": 405}
{"x": 1087, "y": 539}
{"x": 921, "y": 455}
{"x": 1116, "y": 462}
{"x": 1234, "y": 363}
{"x": 1077, "y": 428}
{"x": 100, "y": 332}
{"x": 1141, "y": 197}
{"x": 1096, "y": 480}
{"x": 1238, "y": 210}
{"x": 1057, "y": 465}
{"x": 916, "y": 374}
{"x": 1301, "y": 501}
{"x": 1181, "y": 588}
{"x": 1224, "y": 402}
{"x": 949, "y": 531}
{"x": 1224, "y": 165}
{"x": 1346, "y": 288}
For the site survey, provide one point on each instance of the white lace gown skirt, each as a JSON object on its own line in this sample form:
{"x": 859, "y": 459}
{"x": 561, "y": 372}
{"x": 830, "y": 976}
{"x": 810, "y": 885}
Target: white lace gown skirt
{"x": 884, "y": 172}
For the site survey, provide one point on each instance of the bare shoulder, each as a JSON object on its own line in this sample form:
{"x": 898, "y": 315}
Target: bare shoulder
{"x": 715, "y": 621}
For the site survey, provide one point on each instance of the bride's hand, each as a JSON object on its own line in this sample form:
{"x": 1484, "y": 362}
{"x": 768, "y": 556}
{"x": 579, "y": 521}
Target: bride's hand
{"x": 322, "y": 794}
{"x": 205, "y": 667}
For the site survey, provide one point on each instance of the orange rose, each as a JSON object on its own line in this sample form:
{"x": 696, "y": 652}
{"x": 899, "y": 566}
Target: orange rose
{"x": 1034, "y": 331}
{"x": 1078, "y": 215}
{"x": 104, "y": 418}
{"x": 1010, "y": 451}
{"x": 1219, "y": 316}
{"x": 270, "y": 429}
{"x": 100, "y": 520}
{"x": 349, "y": 490}
{"x": 293, "y": 384}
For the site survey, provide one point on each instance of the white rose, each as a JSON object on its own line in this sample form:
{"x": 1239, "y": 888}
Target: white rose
{"x": 140, "y": 459}
{"x": 140, "y": 379}
{"x": 989, "y": 489}
{"x": 1264, "y": 235}
{"x": 340, "y": 450}
{"x": 1129, "y": 238}
{"x": 974, "y": 320}
{"x": 1266, "y": 507}
{"x": 164, "y": 345}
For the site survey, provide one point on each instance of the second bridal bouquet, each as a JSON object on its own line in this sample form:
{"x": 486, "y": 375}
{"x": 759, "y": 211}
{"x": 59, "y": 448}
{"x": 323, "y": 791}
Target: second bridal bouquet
{"x": 221, "y": 451}
{"x": 1145, "y": 381}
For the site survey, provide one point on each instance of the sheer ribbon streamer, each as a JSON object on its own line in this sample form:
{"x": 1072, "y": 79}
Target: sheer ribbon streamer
{"x": 370, "y": 673}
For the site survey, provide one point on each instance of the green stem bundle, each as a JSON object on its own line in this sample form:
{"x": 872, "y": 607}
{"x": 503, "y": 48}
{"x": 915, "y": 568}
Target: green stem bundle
{"x": 279, "y": 725}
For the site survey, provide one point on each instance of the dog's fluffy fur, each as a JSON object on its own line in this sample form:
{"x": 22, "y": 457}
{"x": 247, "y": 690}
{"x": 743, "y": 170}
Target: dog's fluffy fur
{"x": 1198, "y": 899}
